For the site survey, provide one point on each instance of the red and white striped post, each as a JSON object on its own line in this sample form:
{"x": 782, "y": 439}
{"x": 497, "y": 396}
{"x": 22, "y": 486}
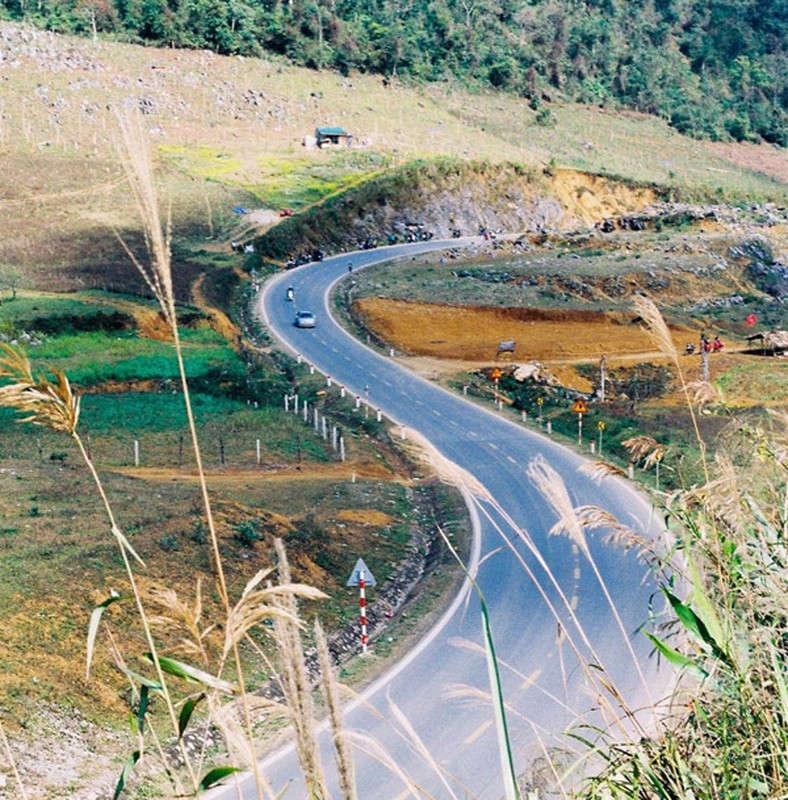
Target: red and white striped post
{"x": 362, "y": 577}
{"x": 362, "y": 602}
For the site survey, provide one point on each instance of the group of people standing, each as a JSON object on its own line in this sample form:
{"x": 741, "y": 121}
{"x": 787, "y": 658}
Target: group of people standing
{"x": 705, "y": 345}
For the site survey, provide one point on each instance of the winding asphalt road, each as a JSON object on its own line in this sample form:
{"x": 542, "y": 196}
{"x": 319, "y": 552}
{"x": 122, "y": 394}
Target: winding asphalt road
{"x": 442, "y": 687}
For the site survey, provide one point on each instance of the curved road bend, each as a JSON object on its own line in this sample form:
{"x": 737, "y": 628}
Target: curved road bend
{"x": 545, "y": 688}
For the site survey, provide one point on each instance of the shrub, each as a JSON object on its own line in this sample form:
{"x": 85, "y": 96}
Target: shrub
{"x": 246, "y": 533}
{"x": 169, "y": 543}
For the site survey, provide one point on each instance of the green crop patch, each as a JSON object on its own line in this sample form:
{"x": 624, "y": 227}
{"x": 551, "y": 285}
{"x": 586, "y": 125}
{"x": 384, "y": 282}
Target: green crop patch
{"x": 205, "y": 162}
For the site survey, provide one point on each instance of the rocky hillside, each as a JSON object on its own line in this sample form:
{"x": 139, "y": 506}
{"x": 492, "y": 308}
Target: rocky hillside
{"x": 445, "y": 198}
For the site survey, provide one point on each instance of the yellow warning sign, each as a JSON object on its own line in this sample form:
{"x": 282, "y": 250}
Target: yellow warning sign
{"x": 580, "y": 406}
{"x": 496, "y": 374}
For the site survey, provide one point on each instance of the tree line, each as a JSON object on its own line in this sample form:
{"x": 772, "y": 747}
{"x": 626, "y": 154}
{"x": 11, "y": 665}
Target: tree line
{"x": 714, "y": 69}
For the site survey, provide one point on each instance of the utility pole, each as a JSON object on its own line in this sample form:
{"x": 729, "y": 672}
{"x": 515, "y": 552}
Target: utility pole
{"x": 602, "y": 377}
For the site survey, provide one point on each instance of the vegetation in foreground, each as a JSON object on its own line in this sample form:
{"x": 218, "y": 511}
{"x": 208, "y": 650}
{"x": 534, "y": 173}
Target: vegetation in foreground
{"x": 726, "y": 630}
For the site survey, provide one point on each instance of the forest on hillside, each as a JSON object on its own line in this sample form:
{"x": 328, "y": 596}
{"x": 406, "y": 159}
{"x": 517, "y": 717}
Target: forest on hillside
{"x": 715, "y": 69}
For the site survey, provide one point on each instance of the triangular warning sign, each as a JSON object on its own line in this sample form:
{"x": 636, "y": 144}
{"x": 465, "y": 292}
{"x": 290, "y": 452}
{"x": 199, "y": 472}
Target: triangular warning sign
{"x": 369, "y": 578}
{"x": 580, "y": 406}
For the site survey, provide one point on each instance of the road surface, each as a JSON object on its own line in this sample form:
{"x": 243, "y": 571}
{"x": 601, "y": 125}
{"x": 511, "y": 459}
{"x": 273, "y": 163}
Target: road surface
{"x": 551, "y": 599}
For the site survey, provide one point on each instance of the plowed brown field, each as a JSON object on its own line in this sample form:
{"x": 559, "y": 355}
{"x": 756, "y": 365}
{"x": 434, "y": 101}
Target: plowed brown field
{"x": 469, "y": 336}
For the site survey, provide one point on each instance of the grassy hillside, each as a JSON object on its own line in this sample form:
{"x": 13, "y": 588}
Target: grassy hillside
{"x": 713, "y": 69}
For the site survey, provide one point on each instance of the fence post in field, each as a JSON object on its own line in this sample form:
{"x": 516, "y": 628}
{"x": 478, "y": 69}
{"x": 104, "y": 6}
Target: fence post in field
{"x": 295, "y": 403}
{"x": 341, "y": 448}
{"x": 549, "y": 426}
{"x": 257, "y": 451}
{"x": 524, "y": 415}
{"x": 221, "y": 450}
{"x": 136, "y": 453}
{"x": 306, "y": 411}
{"x": 287, "y": 403}
{"x": 316, "y": 419}
{"x": 334, "y": 434}
{"x": 379, "y": 415}
{"x": 324, "y": 429}
{"x": 341, "y": 391}
{"x": 328, "y": 381}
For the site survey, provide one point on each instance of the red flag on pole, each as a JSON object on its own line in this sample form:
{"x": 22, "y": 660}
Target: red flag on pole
{"x": 751, "y": 320}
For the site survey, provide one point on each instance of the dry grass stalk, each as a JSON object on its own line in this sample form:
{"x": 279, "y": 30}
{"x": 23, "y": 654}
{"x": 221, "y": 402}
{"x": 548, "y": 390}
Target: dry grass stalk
{"x": 372, "y": 748}
{"x": 599, "y": 470}
{"x": 656, "y": 326}
{"x": 446, "y": 469}
{"x": 277, "y": 603}
{"x": 150, "y": 730}
{"x": 577, "y": 640}
{"x": 330, "y": 689}
{"x": 49, "y": 404}
{"x": 659, "y": 332}
{"x": 56, "y": 407}
{"x": 549, "y": 483}
{"x": 417, "y": 744}
{"x": 136, "y": 157}
{"x": 703, "y": 393}
{"x": 526, "y": 681}
{"x": 12, "y": 764}
{"x": 179, "y": 616}
{"x": 137, "y": 161}
{"x": 295, "y": 682}
{"x": 640, "y": 447}
{"x": 232, "y": 720}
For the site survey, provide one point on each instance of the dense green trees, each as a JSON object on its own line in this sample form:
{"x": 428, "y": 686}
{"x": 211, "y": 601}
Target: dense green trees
{"x": 714, "y": 68}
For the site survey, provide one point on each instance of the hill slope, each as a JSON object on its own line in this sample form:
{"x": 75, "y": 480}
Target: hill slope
{"x": 713, "y": 69}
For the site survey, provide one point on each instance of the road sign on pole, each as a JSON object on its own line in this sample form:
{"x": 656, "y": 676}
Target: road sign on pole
{"x": 580, "y": 408}
{"x": 362, "y": 577}
{"x": 369, "y": 578}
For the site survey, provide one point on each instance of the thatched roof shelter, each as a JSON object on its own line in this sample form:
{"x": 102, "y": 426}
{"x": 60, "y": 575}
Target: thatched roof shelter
{"x": 774, "y": 342}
